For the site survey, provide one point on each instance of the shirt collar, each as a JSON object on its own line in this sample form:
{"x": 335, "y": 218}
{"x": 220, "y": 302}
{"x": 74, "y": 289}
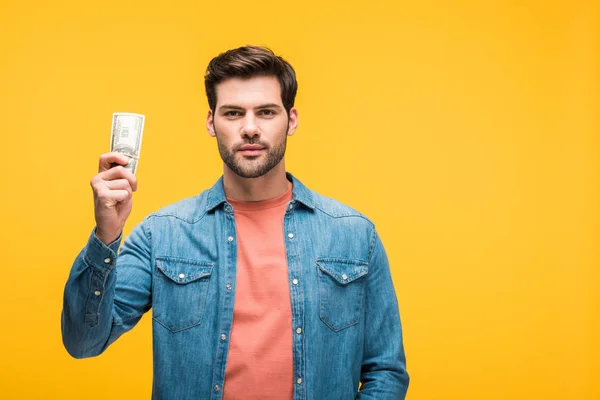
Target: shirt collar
{"x": 300, "y": 193}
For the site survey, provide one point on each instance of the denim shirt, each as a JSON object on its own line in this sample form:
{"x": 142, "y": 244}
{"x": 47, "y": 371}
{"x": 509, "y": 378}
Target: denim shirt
{"x": 181, "y": 263}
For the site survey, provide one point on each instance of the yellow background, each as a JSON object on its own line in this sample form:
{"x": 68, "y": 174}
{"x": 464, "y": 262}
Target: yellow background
{"x": 467, "y": 131}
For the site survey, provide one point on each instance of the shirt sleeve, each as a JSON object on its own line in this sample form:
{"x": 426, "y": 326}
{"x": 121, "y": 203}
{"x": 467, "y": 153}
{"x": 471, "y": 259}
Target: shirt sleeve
{"x": 106, "y": 292}
{"x": 383, "y": 371}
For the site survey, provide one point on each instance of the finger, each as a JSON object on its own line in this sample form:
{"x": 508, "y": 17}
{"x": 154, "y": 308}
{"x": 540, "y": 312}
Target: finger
{"x": 118, "y": 173}
{"x": 106, "y": 198}
{"x": 104, "y": 193}
{"x": 119, "y": 184}
{"x": 120, "y": 195}
{"x": 108, "y": 160}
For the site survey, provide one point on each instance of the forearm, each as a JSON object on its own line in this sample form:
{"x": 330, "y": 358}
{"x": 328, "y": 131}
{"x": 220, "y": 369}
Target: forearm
{"x": 383, "y": 373}
{"x": 383, "y": 385}
{"x": 86, "y": 319}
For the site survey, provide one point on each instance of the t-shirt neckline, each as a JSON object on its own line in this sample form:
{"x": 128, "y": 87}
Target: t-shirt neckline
{"x": 263, "y": 204}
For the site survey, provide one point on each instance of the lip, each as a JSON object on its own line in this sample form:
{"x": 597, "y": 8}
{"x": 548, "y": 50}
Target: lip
{"x": 251, "y": 147}
{"x": 251, "y": 152}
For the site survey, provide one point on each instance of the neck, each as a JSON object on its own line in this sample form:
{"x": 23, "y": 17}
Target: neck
{"x": 273, "y": 184}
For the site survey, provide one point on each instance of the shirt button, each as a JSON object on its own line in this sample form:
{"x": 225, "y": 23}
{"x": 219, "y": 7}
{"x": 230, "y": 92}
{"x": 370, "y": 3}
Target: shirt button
{"x": 298, "y": 330}
{"x": 295, "y": 281}
{"x": 290, "y": 235}
{"x": 217, "y": 388}
{"x": 230, "y": 239}
{"x": 97, "y": 293}
{"x": 290, "y": 206}
{"x": 181, "y": 276}
{"x": 344, "y": 276}
{"x": 223, "y": 336}
{"x": 228, "y": 286}
{"x": 299, "y": 381}
{"x": 107, "y": 260}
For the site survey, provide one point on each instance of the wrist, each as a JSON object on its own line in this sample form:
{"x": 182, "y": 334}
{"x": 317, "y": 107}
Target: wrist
{"x": 106, "y": 237}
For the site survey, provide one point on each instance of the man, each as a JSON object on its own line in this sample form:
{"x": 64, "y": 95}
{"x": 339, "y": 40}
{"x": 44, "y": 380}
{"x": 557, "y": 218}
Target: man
{"x": 259, "y": 287}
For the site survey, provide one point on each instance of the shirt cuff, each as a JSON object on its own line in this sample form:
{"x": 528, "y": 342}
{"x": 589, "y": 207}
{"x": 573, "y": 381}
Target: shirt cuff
{"x": 100, "y": 256}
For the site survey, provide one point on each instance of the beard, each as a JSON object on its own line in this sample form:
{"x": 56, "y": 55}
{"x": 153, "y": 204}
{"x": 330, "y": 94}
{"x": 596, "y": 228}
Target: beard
{"x": 253, "y": 167}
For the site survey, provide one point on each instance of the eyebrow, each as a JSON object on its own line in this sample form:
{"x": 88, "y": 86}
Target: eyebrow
{"x": 233, "y": 107}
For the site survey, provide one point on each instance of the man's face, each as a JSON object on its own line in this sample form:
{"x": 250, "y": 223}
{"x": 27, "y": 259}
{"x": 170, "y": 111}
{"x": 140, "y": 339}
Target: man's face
{"x": 251, "y": 125}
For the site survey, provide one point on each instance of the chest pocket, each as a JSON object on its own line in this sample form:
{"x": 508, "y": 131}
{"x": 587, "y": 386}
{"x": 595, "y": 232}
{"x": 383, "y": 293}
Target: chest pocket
{"x": 180, "y": 288}
{"x": 341, "y": 291}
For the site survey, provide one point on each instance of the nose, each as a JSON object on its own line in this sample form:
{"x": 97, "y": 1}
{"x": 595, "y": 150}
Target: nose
{"x": 250, "y": 126}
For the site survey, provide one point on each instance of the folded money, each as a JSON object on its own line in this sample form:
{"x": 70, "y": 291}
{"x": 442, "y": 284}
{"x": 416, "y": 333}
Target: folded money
{"x": 126, "y": 137}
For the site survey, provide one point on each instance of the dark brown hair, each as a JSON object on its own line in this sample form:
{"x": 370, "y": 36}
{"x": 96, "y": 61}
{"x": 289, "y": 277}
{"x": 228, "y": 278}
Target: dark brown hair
{"x": 248, "y": 62}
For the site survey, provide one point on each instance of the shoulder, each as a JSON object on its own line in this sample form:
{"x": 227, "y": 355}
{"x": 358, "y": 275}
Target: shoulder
{"x": 327, "y": 207}
{"x": 190, "y": 209}
{"x": 335, "y": 209}
{"x": 352, "y": 229}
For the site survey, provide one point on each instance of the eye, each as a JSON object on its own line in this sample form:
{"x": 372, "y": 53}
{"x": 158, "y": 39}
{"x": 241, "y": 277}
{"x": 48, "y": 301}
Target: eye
{"x": 268, "y": 112}
{"x": 232, "y": 113}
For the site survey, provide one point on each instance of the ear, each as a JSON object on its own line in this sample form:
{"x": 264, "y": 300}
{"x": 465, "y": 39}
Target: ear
{"x": 210, "y": 125}
{"x": 293, "y": 121}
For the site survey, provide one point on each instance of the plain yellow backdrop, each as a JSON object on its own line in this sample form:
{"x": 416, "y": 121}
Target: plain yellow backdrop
{"x": 467, "y": 131}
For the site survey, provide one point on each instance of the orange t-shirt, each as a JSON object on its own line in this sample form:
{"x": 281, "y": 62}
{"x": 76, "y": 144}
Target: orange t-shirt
{"x": 259, "y": 363}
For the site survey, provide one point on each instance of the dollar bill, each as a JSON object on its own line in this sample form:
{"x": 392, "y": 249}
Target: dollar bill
{"x": 126, "y": 137}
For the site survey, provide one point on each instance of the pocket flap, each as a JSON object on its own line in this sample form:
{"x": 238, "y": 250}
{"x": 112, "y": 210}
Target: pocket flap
{"x": 183, "y": 271}
{"x": 343, "y": 270}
